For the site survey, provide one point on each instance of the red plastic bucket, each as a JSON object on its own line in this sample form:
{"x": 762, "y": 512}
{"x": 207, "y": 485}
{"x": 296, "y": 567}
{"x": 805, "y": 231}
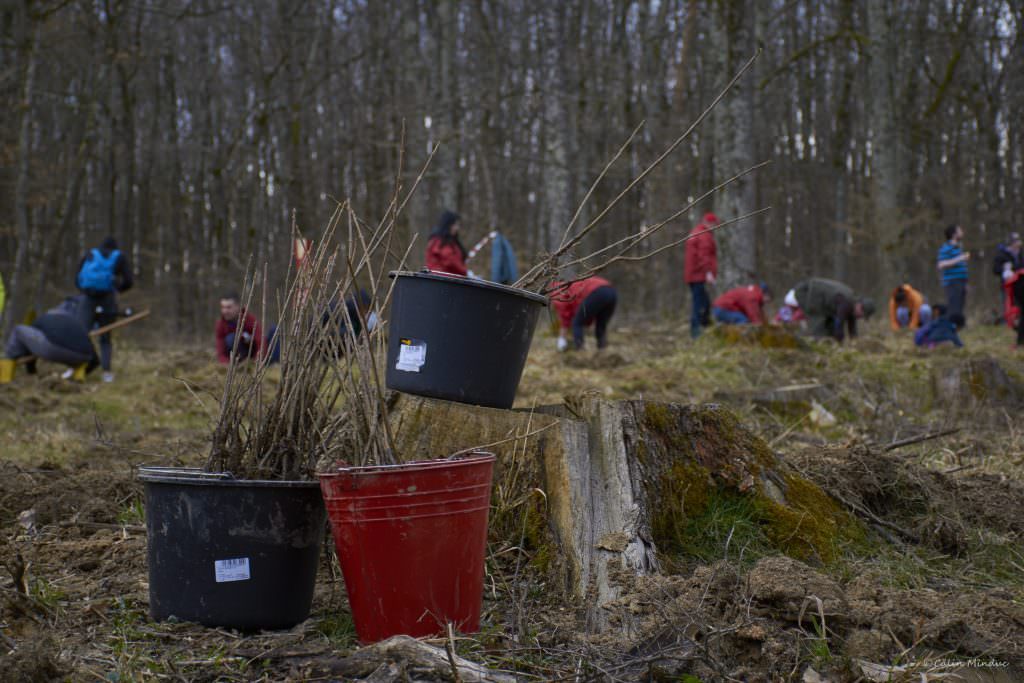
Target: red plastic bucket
{"x": 411, "y": 541}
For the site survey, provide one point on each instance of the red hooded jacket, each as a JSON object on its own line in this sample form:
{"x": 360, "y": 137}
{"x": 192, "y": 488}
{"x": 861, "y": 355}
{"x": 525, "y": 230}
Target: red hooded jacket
{"x": 701, "y": 252}
{"x": 445, "y": 258}
{"x": 251, "y": 325}
{"x": 747, "y": 300}
{"x": 567, "y": 301}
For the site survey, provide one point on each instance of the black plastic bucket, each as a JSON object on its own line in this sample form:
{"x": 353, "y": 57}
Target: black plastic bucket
{"x": 458, "y": 338}
{"x": 228, "y": 552}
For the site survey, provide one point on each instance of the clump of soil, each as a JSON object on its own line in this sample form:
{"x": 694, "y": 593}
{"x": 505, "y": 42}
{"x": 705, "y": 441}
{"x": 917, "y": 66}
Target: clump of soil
{"x": 50, "y": 493}
{"x": 35, "y": 661}
{"x": 905, "y": 493}
{"x": 783, "y": 615}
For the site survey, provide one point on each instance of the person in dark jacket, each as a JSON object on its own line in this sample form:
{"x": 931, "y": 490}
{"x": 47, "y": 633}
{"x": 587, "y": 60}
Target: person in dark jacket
{"x": 102, "y": 274}
{"x": 591, "y": 300}
{"x": 831, "y": 307}
{"x": 445, "y": 253}
{"x": 942, "y": 329}
{"x": 249, "y": 340}
{"x": 700, "y": 269}
{"x": 57, "y": 336}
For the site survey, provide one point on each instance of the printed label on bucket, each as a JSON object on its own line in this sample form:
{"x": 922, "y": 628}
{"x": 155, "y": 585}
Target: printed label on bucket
{"x": 231, "y": 570}
{"x": 412, "y": 354}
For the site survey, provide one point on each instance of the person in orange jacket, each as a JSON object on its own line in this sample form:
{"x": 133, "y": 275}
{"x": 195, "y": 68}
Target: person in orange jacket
{"x": 700, "y": 268}
{"x": 908, "y": 308}
{"x": 591, "y": 300}
{"x": 742, "y": 305}
{"x": 445, "y": 253}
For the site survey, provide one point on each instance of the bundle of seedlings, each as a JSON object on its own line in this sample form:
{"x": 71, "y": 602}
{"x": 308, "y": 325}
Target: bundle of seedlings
{"x": 330, "y": 403}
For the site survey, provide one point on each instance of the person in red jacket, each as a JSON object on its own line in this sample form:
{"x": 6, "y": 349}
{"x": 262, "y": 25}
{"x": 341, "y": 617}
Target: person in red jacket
{"x": 700, "y": 270}
{"x": 742, "y": 305}
{"x": 445, "y": 253}
{"x": 250, "y": 342}
{"x": 578, "y": 304}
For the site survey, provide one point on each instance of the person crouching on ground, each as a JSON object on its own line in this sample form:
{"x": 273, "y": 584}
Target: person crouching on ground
{"x": 908, "y": 308}
{"x": 232, "y": 343}
{"x": 831, "y": 307}
{"x": 742, "y": 305}
{"x": 57, "y": 336}
{"x": 940, "y": 330}
{"x": 591, "y": 300}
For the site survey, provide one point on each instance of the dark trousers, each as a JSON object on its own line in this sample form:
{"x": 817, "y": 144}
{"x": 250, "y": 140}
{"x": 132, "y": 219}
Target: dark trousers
{"x": 956, "y": 297}
{"x": 598, "y": 308}
{"x": 700, "y": 312}
{"x": 26, "y": 340}
{"x": 244, "y": 350}
{"x": 99, "y": 309}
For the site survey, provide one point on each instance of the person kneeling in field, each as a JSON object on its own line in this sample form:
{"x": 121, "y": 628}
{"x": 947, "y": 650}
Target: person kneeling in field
{"x": 742, "y": 305}
{"x": 908, "y": 308}
{"x": 591, "y": 300}
{"x": 940, "y": 330}
{"x": 248, "y": 335}
{"x": 57, "y": 336}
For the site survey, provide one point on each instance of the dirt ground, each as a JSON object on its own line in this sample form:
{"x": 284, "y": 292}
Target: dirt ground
{"x": 937, "y": 586}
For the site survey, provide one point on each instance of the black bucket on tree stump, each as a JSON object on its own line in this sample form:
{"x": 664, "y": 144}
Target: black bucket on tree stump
{"x": 458, "y": 338}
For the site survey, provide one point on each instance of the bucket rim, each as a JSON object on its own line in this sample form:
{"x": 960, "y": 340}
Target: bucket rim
{"x": 195, "y": 476}
{"x": 475, "y": 458}
{"x": 472, "y": 282}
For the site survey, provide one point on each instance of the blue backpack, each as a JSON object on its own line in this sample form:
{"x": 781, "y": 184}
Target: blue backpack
{"x": 97, "y": 273}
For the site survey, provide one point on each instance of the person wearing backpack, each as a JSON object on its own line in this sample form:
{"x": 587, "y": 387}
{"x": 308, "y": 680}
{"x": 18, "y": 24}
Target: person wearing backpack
{"x": 102, "y": 274}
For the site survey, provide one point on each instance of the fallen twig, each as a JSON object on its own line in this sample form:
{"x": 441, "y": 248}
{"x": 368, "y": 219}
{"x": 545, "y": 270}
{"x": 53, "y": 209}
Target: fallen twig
{"x": 918, "y": 439}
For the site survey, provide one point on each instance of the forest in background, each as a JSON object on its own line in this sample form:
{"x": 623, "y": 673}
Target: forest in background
{"x": 193, "y": 130}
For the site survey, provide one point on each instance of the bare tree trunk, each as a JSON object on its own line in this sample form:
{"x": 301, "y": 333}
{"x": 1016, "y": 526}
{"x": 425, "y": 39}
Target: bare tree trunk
{"x": 840, "y": 149}
{"x": 21, "y": 187}
{"x": 887, "y": 168}
{"x": 734, "y": 140}
{"x": 557, "y": 183}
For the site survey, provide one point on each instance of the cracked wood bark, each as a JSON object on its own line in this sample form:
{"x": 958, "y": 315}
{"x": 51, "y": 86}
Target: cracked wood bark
{"x": 601, "y": 465}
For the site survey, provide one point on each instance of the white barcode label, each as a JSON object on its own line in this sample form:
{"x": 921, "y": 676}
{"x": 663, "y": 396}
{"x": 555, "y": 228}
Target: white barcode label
{"x": 236, "y": 569}
{"x": 412, "y": 354}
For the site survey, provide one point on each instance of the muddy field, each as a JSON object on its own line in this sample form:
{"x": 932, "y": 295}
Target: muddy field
{"x": 933, "y": 583}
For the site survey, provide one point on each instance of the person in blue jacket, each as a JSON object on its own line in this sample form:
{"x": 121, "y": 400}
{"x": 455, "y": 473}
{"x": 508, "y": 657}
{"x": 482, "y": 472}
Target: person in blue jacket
{"x": 102, "y": 274}
{"x": 942, "y": 329}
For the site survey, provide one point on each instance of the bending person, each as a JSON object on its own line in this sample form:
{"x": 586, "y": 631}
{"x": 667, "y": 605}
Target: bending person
{"x": 57, "y": 336}
{"x": 591, "y": 300}
{"x": 831, "y": 307}
{"x": 907, "y": 308}
{"x": 742, "y": 305}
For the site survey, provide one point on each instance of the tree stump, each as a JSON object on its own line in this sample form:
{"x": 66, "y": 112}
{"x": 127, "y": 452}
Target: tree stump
{"x": 620, "y": 476}
{"x": 967, "y": 384}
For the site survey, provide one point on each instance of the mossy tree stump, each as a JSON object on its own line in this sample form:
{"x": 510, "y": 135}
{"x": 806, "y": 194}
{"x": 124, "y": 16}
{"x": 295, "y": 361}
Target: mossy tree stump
{"x": 621, "y": 480}
{"x": 966, "y": 384}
